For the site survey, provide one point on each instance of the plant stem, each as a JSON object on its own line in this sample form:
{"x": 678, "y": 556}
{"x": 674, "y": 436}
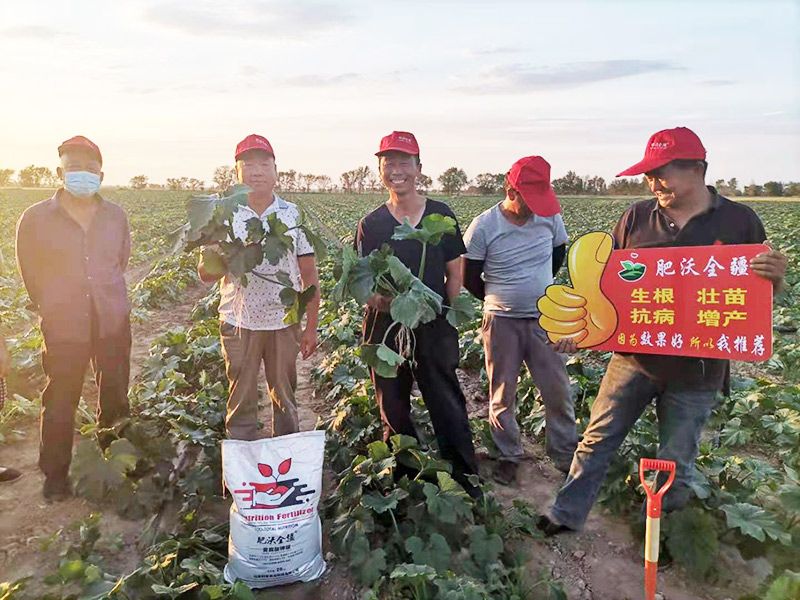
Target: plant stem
{"x": 422, "y": 261}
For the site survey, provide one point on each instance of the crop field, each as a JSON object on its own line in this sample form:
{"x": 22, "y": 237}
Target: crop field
{"x": 149, "y": 521}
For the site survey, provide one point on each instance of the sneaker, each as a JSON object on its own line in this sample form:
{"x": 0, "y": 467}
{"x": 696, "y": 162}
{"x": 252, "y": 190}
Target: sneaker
{"x": 7, "y": 474}
{"x": 505, "y": 472}
{"x": 56, "y": 489}
{"x": 549, "y": 527}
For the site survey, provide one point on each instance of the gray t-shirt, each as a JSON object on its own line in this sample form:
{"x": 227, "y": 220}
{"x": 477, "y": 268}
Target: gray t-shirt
{"x": 517, "y": 259}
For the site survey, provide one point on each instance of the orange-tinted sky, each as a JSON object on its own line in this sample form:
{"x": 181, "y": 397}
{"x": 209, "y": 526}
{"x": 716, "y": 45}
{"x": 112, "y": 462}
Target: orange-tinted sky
{"x": 168, "y": 88}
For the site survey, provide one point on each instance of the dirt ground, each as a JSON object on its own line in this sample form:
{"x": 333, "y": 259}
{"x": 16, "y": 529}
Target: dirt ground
{"x": 601, "y": 563}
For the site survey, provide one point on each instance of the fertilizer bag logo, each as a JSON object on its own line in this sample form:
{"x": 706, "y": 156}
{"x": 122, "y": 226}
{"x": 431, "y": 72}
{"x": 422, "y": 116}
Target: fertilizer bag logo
{"x": 279, "y": 493}
{"x": 275, "y": 531}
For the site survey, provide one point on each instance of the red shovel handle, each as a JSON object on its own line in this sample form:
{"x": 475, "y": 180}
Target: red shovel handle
{"x": 654, "y": 497}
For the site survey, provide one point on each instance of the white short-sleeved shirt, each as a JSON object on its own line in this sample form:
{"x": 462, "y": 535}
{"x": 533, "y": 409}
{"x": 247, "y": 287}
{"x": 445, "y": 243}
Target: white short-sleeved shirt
{"x": 257, "y": 306}
{"x": 517, "y": 259}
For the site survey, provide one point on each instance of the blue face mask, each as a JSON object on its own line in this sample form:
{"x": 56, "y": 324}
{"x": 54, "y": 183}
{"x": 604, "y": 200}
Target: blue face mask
{"x": 81, "y": 183}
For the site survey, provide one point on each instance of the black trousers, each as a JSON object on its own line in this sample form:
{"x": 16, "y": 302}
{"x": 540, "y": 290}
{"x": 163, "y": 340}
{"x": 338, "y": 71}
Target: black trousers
{"x": 65, "y": 364}
{"x": 436, "y": 356}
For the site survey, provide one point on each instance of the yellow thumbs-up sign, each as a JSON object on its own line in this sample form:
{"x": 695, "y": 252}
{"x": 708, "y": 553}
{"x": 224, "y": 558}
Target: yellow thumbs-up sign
{"x": 581, "y": 312}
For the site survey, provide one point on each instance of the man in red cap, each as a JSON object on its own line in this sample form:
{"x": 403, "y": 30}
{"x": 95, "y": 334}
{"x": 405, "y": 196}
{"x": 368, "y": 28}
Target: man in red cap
{"x": 514, "y": 250}
{"x": 72, "y": 252}
{"x": 684, "y": 212}
{"x": 436, "y": 352}
{"x": 251, "y": 317}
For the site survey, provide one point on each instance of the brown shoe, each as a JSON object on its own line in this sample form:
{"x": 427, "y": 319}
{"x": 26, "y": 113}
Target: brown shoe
{"x": 505, "y": 472}
{"x": 7, "y": 474}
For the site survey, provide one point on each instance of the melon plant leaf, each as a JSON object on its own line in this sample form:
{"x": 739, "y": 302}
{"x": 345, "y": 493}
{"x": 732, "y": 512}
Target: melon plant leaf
{"x": 461, "y": 311}
{"x": 755, "y": 522}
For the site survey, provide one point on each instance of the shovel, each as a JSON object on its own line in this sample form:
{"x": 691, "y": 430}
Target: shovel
{"x": 651, "y": 536}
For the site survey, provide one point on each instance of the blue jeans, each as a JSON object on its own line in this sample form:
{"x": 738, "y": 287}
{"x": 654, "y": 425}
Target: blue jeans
{"x": 624, "y": 394}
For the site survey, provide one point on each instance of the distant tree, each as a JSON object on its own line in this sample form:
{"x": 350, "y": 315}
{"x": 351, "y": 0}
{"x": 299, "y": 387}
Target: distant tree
{"x": 753, "y": 190}
{"x": 348, "y": 181}
{"x": 792, "y": 189}
{"x": 175, "y": 183}
{"x": 224, "y": 177}
{"x": 773, "y": 188}
{"x": 306, "y": 180}
{"x": 139, "y": 182}
{"x": 595, "y": 185}
{"x": 628, "y": 187}
{"x": 323, "y": 183}
{"x": 287, "y": 180}
{"x": 195, "y": 185}
{"x": 5, "y": 177}
{"x": 33, "y": 176}
{"x": 571, "y": 183}
{"x": 733, "y": 187}
{"x": 424, "y": 183}
{"x": 453, "y": 180}
{"x": 489, "y": 184}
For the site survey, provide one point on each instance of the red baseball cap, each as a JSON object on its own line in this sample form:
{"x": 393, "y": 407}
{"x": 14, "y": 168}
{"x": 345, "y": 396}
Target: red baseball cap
{"x": 253, "y": 142}
{"x": 664, "y": 147}
{"x": 399, "y": 141}
{"x": 530, "y": 176}
{"x": 80, "y": 141}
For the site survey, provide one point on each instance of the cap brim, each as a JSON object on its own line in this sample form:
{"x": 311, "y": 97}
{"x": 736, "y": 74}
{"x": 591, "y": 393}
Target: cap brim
{"x": 264, "y": 150}
{"x": 403, "y": 150}
{"x": 643, "y": 166}
{"x": 541, "y": 202}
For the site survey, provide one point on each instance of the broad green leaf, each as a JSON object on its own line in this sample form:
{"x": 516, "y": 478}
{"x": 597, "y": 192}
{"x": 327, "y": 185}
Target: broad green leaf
{"x": 755, "y": 521}
{"x": 435, "y": 553}
{"x": 378, "y": 450}
{"x": 380, "y": 504}
{"x": 296, "y": 303}
{"x": 369, "y": 354}
{"x": 785, "y": 587}
{"x": 408, "y": 309}
{"x": 485, "y": 548}
{"x": 277, "y": 242}
{"x": 255, "y": 231}
{"x": 692, "y": 540}
{"x": 241, "y": 258}
{"x": 430, "y": 230}
{"x": 213, "y": 263}
{"x": 401, "y": 275}
{"x": 461, "y": 311}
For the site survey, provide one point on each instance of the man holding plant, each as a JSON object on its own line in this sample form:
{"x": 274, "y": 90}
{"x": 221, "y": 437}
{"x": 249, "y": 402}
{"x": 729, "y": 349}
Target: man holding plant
{"x": 434, "y": 353}
{"x": 252, "y": 325}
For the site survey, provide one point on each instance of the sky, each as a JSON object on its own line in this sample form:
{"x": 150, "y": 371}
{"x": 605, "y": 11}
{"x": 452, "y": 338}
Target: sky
{"x": 167, "y": 88}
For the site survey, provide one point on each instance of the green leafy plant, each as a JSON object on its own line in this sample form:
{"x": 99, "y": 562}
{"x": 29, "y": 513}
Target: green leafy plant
{"x": 412, "y": 302}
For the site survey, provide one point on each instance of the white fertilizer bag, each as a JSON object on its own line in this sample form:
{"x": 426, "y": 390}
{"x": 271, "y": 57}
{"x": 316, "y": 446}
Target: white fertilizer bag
{"x": 276, "y": 535}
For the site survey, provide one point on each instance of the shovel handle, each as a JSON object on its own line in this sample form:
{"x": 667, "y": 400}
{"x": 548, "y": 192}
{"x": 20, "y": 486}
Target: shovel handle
{"x": 654, "y": 497}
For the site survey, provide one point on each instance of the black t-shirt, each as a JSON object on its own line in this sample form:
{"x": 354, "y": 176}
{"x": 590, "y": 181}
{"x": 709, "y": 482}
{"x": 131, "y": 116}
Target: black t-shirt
{"x": 377, "y": 229}
{"x": 645, "y": 225}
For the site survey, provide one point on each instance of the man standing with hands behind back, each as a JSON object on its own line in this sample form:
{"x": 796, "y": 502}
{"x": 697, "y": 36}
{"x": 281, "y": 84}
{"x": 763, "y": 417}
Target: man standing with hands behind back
{"x": 72, "y": 252}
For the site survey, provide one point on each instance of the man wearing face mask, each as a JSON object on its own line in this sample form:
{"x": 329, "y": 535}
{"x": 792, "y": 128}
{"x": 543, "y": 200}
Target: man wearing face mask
{"x": 72, "y": 251}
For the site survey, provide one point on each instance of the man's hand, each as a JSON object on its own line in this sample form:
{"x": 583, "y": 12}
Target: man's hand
{"x": 379, "y": 302}
{"x": 566, "y": 346}
{"x": 5, "y": 359}
{"x": 581, "y": 312}
{"x": 308, "y": 342}
{"x": 770, "y": 265}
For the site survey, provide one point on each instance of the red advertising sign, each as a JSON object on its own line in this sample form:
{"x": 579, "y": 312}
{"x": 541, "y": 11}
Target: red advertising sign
{"x": 700, "y": 301}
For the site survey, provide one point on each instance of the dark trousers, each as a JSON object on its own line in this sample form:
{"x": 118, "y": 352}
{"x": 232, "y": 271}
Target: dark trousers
{"x": 64, "y": 364}
{"x": 436, "y": 357}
